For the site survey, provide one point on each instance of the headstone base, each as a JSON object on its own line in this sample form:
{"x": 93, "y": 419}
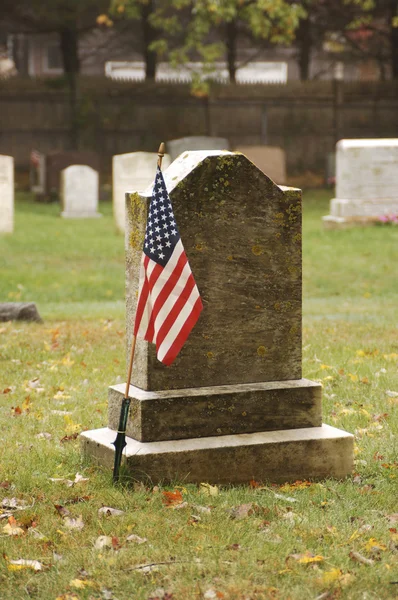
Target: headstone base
{"x": 80, "y": 215}
{"x": 217, "y": 410}
{"x": 332, "y": 222}
{"x": 276, "y": 456}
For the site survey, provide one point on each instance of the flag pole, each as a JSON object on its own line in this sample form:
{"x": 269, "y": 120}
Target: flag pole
{"x": 120, "y": 441}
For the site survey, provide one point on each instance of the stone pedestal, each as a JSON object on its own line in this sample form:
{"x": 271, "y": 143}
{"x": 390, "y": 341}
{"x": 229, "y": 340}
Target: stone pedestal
{"x": 366, "y": 183}
{"x": 233, "y": 405}
{"x": 134, "y": 171}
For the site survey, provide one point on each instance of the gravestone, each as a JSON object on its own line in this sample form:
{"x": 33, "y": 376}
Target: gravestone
{"x": 6, "y": 194}
{"x": 199, "y": 142}
{"x": 59, "y": 160}
{"x": 134, "y": 171}
{"x": 233, "y": 406}
{"x": 79, "y": 192}
{"x": 366, "y": 182}
{"x": 269, "y": 159}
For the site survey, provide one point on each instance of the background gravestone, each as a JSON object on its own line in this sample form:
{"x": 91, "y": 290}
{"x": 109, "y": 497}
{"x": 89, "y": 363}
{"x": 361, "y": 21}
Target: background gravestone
{"x": 79, "y": 192}
{"x": 366, "y": 182}
{"x": 58, "y": 160}
{"x": 6, "y": 194}
{"x": 233, "y": 405}
{"x": 271, "y": 160}
{"x": 180, "y": 145}
{"x": 134, "y": 171}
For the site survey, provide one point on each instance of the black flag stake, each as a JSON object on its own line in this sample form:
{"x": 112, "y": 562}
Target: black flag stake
{"x": 120, "y": 441}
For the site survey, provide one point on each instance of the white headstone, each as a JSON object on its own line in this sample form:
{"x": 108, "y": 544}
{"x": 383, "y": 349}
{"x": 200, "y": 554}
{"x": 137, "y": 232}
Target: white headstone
{"x": 132, "y": 172}
{"x": 79, "y": 192}
{"x": 195, "y": 142}
{"x": 6, "y": 194}
{"x": 366, "y": 182}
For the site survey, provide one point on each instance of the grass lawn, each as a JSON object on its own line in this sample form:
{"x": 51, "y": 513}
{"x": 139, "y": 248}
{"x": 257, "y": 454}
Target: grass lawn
{"x": 300, "y": 541}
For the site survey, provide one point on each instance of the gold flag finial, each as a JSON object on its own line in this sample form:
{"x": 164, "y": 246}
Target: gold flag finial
{"x": 161, "y": 153}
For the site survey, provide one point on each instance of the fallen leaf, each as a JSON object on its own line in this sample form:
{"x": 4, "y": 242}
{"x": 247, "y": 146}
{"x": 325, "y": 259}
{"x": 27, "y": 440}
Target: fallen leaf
{"x": 306, "y": 558}
{"x": 43, "y": 436}
{"x": 393, "y": 518}
{"x": 74, "y": 522}
{"x": 242, "y": 511}
{"x": 390, "y": 394}
{"x": 64, "y": 512}
{"x": 330, "y": 577}
{"x": 361, "y": 559}
{"x": 81, "y": 584}
{"x": 234, "y": 547}
{"x": 103, "y": 541}
{"x": 202, "y": 509}
{"x": 285, "y": 498}
{"x": 18, "y": 565}
{"x": 136, "y": 539}
{"x": 14, "y": 504}
{"x": 171, "y": 499}
{"x": 12, "y": 527}
{"x": 110, "y": 512}
{"x": 372, "y": 545}
{"x": 67, "y": 596}
{"x": 208, "y": 490}
{"x": 68, "y": 438}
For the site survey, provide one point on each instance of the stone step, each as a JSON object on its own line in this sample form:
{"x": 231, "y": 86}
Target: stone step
{"x": 217, "y": 410}
{"x": 276, "y": 456}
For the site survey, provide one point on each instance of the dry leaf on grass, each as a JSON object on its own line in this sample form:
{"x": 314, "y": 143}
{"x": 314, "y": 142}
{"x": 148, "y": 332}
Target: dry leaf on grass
{"x": 306, "y": 558}
{"x": 12, "y": 527}
{"x": 110, "y": 512}
{"x": 209, "y": 490}
{"x": 67, "y": 596}
{"x": 14, "y": 504}
{"x": 103, "y": 541}
{"x": 81, "y": 584}
{"x": 74, "y": 522}
{"x": 68, "y": 482}
{"x": 172, "y": 499}
{"x": 18, "y": 565}
{"x": 136, "y": 539}
{"x": 361, "y": 559}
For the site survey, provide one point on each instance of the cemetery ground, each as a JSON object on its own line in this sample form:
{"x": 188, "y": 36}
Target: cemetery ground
{"x": 328, "y": 539}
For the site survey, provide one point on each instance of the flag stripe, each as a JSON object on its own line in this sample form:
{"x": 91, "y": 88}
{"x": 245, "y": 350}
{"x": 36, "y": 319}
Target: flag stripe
{"x": 183, "y": 334}
{"x": 168, "y": 317}
{"x": 174, "y": 330}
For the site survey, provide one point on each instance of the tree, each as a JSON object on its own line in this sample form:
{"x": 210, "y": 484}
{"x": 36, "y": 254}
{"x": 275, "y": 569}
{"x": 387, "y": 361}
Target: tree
{"x": 126, "y": 14}
{"x": 69, "y": 19}
{"x": 216, "y": 26}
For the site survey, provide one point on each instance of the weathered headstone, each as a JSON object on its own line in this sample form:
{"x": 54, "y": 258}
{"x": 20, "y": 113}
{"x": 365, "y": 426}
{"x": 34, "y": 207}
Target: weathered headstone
{"x": 199, "y": 142}
{"x": 6, "y": 194}
{"x": 271, "y": 160}
{"x": 234, "y": 405}
{"x": 366, "y": 182}
{"x": 59, "y": 160}
{"x": 132, "y": 172}
{"x": 79, "y": 192}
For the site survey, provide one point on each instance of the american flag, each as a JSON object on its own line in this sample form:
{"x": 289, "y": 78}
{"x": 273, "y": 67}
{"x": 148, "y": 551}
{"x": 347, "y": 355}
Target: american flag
{"x": 35, "y": 157}
{"x": 169, "y": 303}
